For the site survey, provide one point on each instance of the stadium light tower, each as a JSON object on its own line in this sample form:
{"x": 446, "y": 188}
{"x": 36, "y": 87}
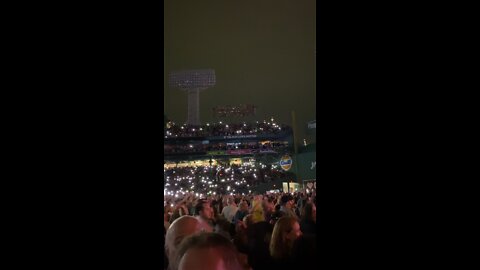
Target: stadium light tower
{"x": 192, "y": 81}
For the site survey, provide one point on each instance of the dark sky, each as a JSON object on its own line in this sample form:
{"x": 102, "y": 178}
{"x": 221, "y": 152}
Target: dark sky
{"x": 263, "y": 53}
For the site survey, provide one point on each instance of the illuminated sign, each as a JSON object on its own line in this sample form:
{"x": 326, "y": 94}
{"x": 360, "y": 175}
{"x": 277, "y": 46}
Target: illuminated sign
{"x": 286, "y": 162}
{"x": 239, "y": 152}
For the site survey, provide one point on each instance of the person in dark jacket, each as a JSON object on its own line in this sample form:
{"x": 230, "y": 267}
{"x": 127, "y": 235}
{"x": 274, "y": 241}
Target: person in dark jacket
{"x": 287, "y": 202}
{"x": 304, "y": 250}
{"x": 259, "y": 233}
{"x": 308, "y": 219}
{"x": 241, "y": 213}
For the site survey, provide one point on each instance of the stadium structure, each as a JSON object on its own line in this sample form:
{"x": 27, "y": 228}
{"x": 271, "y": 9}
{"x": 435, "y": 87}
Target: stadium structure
{"x": 223, "y": 158}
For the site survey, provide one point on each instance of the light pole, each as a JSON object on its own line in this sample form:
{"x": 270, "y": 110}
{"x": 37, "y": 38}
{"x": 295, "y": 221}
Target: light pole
{"x": 192, "y": 81}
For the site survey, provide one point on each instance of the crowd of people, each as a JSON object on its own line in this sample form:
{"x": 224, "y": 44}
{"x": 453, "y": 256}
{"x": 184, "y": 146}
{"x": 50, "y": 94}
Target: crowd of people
{"x": 223, "y": 146}
{"x": 267, "y": 231}
{"x": 219, "y": 179}
{"x": 212, "y": 220}
{"x": 174, "y": 130}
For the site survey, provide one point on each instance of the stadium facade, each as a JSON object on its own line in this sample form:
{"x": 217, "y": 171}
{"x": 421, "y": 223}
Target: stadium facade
{"x": 269, "y": 151}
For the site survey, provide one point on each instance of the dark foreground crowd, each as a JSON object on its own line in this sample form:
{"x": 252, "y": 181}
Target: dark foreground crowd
{"x": 271, "y": 231}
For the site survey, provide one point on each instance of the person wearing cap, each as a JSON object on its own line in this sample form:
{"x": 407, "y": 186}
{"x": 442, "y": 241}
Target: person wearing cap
{"x": 287, "y": 205}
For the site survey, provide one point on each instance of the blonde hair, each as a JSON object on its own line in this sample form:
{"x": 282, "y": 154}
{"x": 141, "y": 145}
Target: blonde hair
{"x": 257, "y": 211}
{"x": 279, "y": 245}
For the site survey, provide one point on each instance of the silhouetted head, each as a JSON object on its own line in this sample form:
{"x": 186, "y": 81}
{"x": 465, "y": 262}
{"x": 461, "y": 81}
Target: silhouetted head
{"x": 179, "y": 229}
{"x": 207, "y": 251}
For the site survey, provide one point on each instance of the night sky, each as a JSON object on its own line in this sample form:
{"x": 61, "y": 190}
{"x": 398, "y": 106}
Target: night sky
{"x": 263, "y": 53}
